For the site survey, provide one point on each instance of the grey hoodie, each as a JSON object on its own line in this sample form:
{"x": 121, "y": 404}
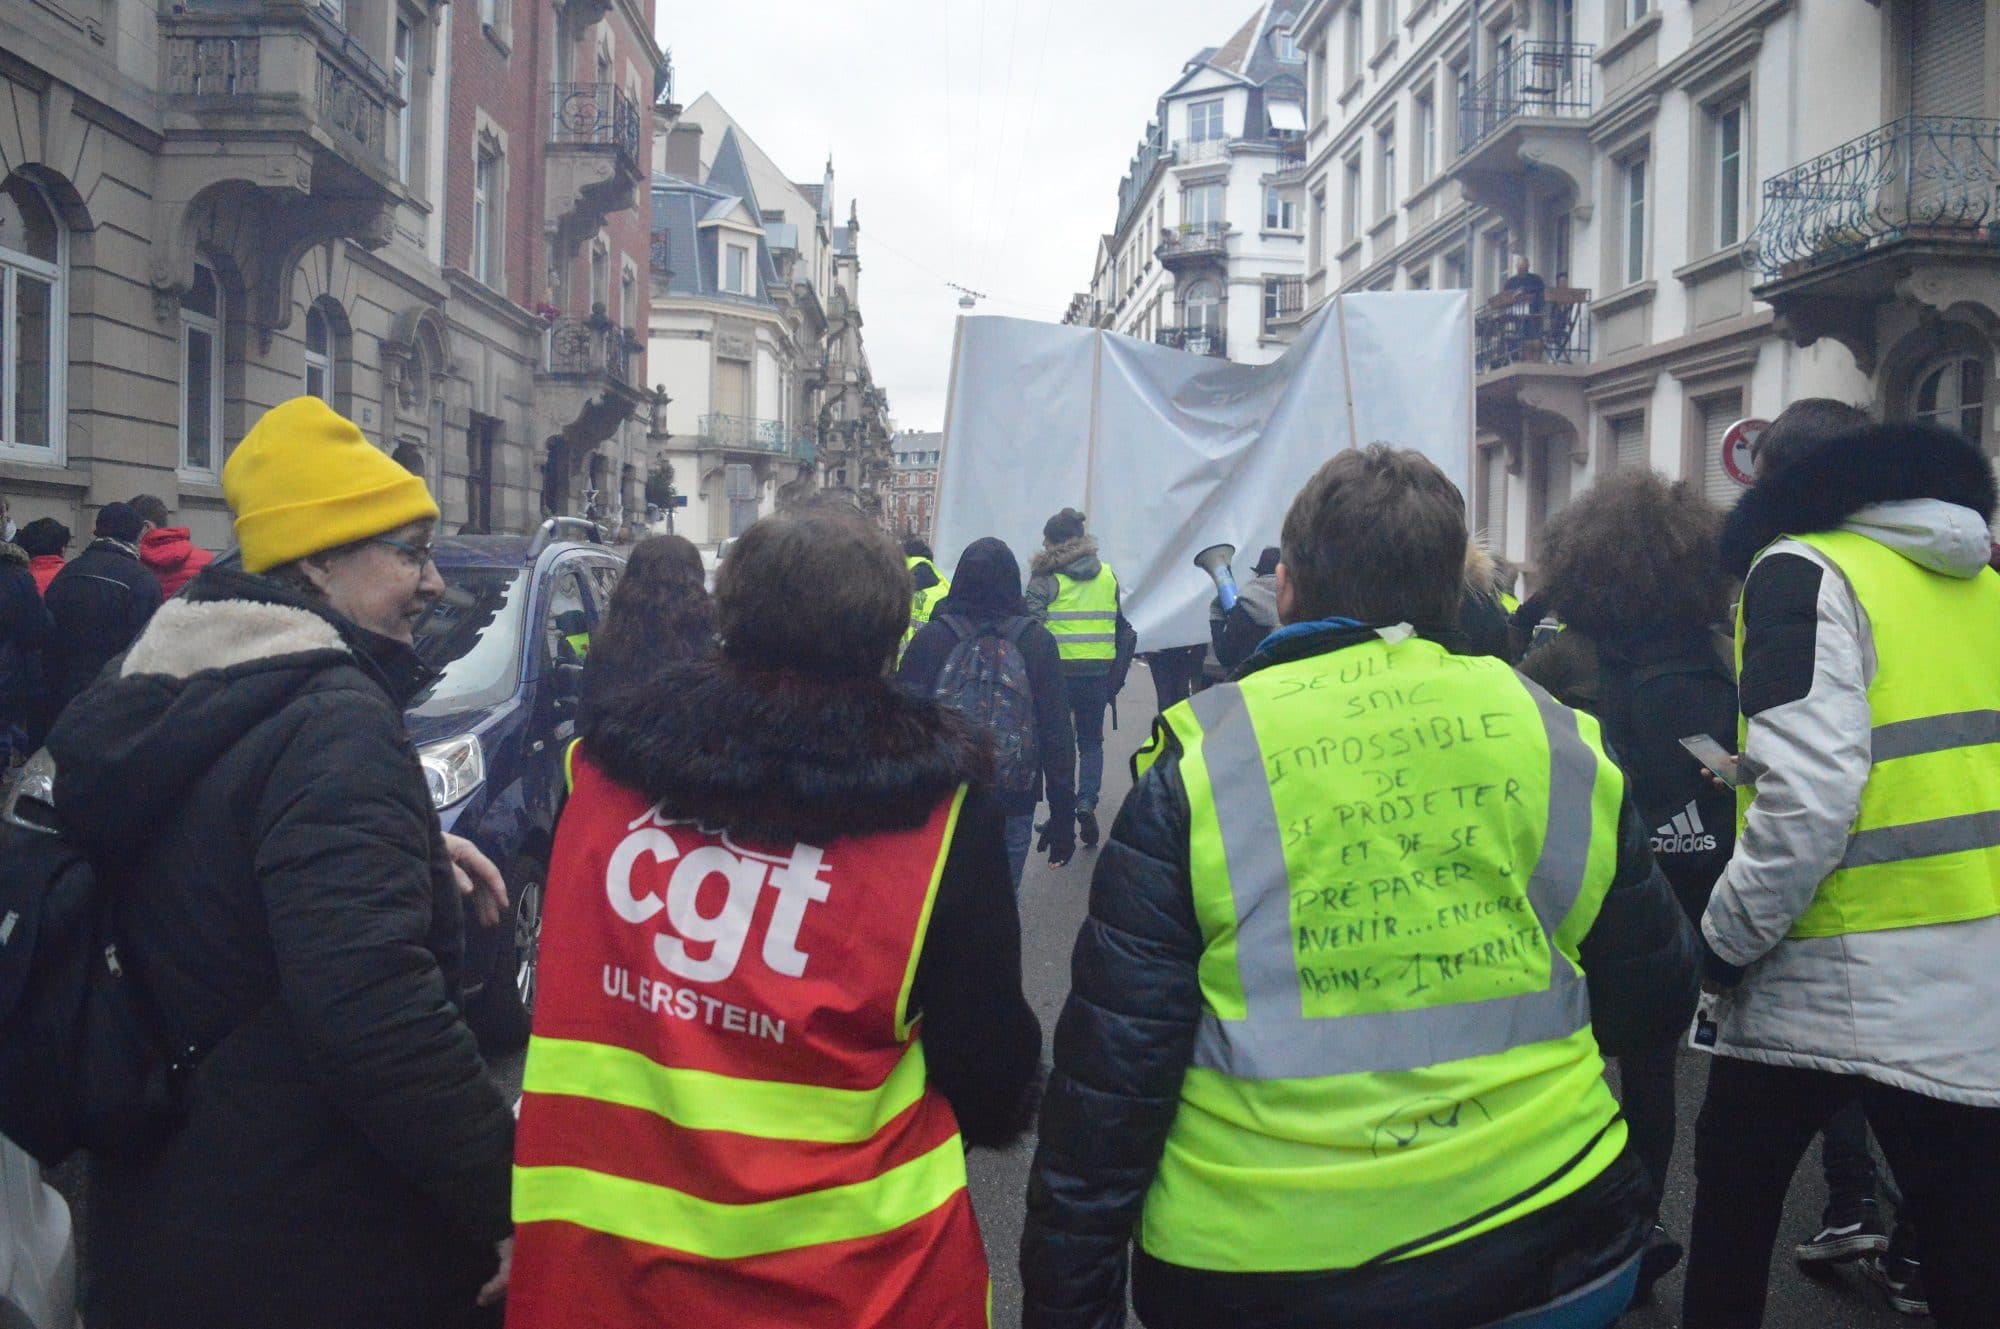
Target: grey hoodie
{"x": 1912, "y": 1007}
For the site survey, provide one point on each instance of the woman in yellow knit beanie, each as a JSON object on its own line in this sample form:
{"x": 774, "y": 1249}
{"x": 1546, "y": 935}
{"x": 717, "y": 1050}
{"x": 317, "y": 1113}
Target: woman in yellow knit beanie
{"x": 343, "y": 1159}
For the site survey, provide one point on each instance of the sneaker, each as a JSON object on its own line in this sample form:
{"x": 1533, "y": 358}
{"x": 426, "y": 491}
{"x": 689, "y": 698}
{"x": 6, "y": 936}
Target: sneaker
{"x": 1845, "y": 1236}
{"x": 1086, "y": 827}
{"x": 1902, "y": 1279}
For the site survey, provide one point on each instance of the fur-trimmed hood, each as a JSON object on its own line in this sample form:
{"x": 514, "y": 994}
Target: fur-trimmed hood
{"x": 776, "y": 757}
{"x": 1917, "y": 471}
{"x": 1073, "y": 558}
{"x": 1482, "y": 574}
{"x": 12, "y": 555}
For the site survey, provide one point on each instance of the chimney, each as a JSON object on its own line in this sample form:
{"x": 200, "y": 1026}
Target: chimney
{"x": 684, "y": 151}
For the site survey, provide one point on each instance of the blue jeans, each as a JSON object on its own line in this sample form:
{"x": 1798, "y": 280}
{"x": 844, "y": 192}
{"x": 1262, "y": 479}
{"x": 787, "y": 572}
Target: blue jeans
{"x": 1089, "y": 695}
{"x": 1020, "y": 833}
{"x": 1592, "y": 1306}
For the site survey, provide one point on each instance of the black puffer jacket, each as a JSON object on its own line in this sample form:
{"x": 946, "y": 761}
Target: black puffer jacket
{"x": 1126, "y": 1037}
{"x": 778, "y": 756}
{"x": 24, "y": 628}
{"x": 100, "y": 601}
{"x": 345, "y": 1160}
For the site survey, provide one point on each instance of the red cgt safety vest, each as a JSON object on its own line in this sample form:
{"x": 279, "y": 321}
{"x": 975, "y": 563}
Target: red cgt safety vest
{"x": 726, "y": 1117}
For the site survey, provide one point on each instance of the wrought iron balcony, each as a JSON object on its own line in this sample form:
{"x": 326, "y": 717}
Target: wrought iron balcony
{"x": 1923, "y": 177}
{"x": 1510, "y": 330}
{"x": 1193, "y": 240}
{"x": 595, "y": 114}
{"x": 1545, "y": 80}
{"x": 1198, "y": 339}
{"x": 742, "y": 433}
{"x": 588, "y": 348}
{"x": 1187, "y": 150}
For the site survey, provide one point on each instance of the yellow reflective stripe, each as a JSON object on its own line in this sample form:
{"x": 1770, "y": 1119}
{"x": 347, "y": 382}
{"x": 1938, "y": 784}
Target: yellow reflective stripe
{"x": 569, "y": 765}
{"x": 675, "y": 1220}
{"x": 707, "y": 1101}
{"x": 903, "y": 1020}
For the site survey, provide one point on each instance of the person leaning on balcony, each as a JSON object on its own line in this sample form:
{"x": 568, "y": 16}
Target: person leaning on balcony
{"x": 1528, "y": 288}
{"x": 1848, "y": 947}
{"x": 1363, "y": 933}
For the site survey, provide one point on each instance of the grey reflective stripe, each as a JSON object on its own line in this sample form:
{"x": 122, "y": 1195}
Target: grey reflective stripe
{"x": 1080, "y": 616}
{"x": 1277, "y": 1041}
{"x": 1073, "y": 638}
{"x": 1923, "y": 839}
{"x": 1935, "y": 733}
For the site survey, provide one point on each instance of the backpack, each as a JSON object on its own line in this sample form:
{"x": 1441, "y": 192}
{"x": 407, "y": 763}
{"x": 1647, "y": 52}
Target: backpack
{"x": 84, "y": 1059}
{"x": 986, "y": 679}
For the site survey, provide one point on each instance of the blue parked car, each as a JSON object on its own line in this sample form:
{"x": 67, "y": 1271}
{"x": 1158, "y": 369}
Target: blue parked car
{"x": 508, "y": 638}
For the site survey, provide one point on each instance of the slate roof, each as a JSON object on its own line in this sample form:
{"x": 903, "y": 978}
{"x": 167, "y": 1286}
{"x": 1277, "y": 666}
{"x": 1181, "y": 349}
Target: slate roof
{"x": 681, "y": 206}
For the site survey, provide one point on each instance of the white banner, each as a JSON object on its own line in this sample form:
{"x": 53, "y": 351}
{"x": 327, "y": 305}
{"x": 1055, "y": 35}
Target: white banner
{"x": 1167, "y": 453}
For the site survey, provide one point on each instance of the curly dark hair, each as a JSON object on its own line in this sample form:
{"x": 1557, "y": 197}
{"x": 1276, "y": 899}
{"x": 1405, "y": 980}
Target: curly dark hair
{"x": 660, "y": 614}
{"x": 1635, "y": 552}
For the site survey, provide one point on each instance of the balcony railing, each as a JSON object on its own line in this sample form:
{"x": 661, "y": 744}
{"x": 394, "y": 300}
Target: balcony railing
{"x": 1512, "y": 331}
{"x": 742, "y": 433}
{"x": 1198, "y": 339}
{"x": 212, "y": 53}
{"x": 588, "y": 348}
{"x": 1192, "y": 240}
{"x": 1542, "y": 79}
{"x": 594, "y": 114}
{"x": 1920, "y": 177}
{"x": 1200, "y": 149}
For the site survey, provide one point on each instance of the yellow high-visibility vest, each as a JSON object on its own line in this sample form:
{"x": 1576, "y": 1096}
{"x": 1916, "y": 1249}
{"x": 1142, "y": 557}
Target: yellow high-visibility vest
{"x": 1395, "y": 854}
{"x": 1925, "y": 847}
{"x": 1083, "y": 617}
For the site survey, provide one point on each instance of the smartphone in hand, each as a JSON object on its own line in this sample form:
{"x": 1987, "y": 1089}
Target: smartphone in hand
{"x": 1720, "y": 761}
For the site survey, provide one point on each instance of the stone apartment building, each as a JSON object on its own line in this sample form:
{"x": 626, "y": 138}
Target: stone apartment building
{"x": 1208, "y": 245}
{"x": 422, "y": 212}
{"x": 1731, "y": 205}
{"x": 756, "y": 332}
{"x": 913, "y": 486}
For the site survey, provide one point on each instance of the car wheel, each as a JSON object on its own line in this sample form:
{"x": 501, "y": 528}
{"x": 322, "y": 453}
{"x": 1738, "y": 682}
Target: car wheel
{"x": 503, "y": 1011}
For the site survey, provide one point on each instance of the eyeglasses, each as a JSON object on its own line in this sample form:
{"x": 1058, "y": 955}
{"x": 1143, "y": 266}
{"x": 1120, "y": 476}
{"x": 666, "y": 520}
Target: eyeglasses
{"x": 416, "y": 556}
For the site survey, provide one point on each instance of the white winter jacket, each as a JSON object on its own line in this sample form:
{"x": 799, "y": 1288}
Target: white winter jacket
{"x": 1914, "y": 1007}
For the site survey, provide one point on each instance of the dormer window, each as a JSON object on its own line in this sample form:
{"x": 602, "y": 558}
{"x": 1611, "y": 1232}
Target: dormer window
{"x": 1287, "y": 45}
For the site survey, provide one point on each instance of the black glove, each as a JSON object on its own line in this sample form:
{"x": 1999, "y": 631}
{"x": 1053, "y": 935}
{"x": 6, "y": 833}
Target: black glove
{"x": 1058, "y": 840}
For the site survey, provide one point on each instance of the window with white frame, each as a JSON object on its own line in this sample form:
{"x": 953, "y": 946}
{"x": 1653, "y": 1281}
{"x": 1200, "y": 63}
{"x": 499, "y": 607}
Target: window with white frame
{"x": 1491, "y": 495}
{"x": 1632, "y": 227}
{"x": 1726, "y": 127}
{"x": 1203, "y": 312}
{"x": 1205, "y": 121}
{"x": 490, "y": 12}
{"x": 1351, "y": 43}
{"x": 1350, "y": 200}
{"x": 1288, "y": 46}
{"x": 1426, "y": 139}
{"x": 1274, "y": 300}
{"x": 1202, "y": 205}
{"x": 1316, "y": 82}
{"x": 201, "y": 374}
{"x": 1281, "y": 212}
{"x": 1461, "y": 104}
{"x": 486, "y": 204}
{"x": 1386, "y": 189}
{"x": 33, "y": 322}
{"x": 319, "y": 355}
{"x": 736, "y": 270}
{"x": 1636, "y": 10}
{"x": 1952, "y": 393}
{"x": 1385, "y": 22}
{"x": 405, "y": 63}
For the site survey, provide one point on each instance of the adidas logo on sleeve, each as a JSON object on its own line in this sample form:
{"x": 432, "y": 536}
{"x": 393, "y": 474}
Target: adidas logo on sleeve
{"x": 1685, "y": 834}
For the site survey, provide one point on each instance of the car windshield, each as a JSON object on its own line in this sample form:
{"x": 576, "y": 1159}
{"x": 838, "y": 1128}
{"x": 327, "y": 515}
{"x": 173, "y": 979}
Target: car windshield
{"x": 472, "y": 636}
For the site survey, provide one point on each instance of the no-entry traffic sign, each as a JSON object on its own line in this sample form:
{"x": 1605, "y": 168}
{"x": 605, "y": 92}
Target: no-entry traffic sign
{"x": 1739, "y": 445}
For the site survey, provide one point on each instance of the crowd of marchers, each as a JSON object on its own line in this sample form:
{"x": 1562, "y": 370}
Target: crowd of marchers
{"x": 1724, "y": 780}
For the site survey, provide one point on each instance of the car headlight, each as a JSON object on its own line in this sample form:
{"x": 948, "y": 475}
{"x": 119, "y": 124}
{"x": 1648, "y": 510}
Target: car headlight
{"x": 453, "y": 769}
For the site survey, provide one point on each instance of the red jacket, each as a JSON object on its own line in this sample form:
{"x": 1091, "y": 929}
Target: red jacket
{"x": 726, "y": 1116}
{"x": 44, "y": 567}
{"x": 170, "y": 554}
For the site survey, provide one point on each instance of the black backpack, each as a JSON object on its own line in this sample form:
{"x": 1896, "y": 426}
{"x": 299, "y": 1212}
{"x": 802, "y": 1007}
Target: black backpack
{"x": 986, "y": 678}
{"x": 84, "y": 1058}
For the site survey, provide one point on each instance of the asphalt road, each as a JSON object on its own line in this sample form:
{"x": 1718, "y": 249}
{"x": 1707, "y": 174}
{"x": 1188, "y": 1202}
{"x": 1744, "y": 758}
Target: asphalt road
{"x": 1053, "y": 903}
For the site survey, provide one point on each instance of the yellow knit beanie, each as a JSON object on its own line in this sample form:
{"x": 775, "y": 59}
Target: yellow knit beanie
{"x": 305, "y": 480}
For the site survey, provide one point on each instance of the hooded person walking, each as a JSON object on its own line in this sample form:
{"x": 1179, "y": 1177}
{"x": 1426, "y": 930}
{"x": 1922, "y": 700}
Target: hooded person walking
{"x": 100, "y": 601}
{"x": 1034, "y": 741}
{"x": 344, "y": 1159}
{"x": 1076, "y": 593}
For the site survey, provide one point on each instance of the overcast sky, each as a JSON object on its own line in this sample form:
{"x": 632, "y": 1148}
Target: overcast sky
{"x": 983, "y": 139}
